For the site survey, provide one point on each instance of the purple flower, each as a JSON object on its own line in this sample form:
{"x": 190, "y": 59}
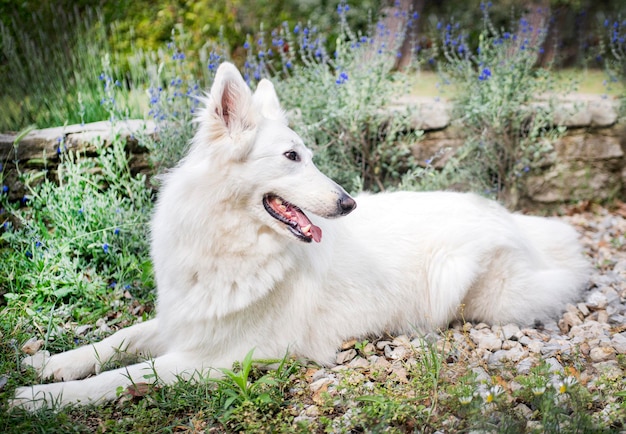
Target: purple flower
{"x": 343, "y": 77}
{"x": 485, "y": 74}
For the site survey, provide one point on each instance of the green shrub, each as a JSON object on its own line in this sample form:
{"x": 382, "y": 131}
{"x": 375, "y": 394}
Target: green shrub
{"x": 614, "y": 53}
{"x": 337, "y": 100}
{"x": 506, "y": 132}
{"x": 80, "y": 243}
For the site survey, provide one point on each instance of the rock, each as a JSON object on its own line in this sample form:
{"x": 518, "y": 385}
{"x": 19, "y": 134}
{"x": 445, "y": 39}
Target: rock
{"x": 32, "y": 345}
{"x": 312, "y": 411}
{"x": 597, "y": 300}
{"x": 380, "y": 363}
{"x": 609, "y": 369}
{"x": 618, "y": 342}
{"x": 481, "y": 375}
{"x": 401, "y": 340}
{"x": 569, "y": 320}
{"x": 511, "y": 332}
{"x": 523, "y": 411}
{"x": 102, "y": 325}
{"x": 603, "y": 316}
{"x": 582, "y": 307}
{"x": 398, "y": 353}
{"x": 399, "y": 373}
{"x": 554, "y": 365}
{"x": 584, "y": 348}
{"x": 359, "y": 363}
{"x": 320, "y": 373}
{"x": 345, "y": 356}
{"x": 81, "y": 330}
{"x": 601, "y": 354}
{"x": 319, "y": 384}
{"x": 535, "y": 346}
{"x": 524, "y": 365}
{"x": 380, "y": 345}
{"x": 486, "y": 339}
{"x": 348, "y": 344}
{"x": 513, "y": 354}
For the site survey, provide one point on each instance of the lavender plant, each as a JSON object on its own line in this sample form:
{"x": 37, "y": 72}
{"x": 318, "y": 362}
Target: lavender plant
{"x": 614, "y": 50}
{"x": 78, "y": 239}
{"x": 173, "y": 101}
{"x": 337, "y": 98}
{"x": 506, "y": 132}
{"x": 54, "y": 79}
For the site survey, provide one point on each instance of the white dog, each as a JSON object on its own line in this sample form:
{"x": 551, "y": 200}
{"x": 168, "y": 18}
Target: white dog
{"x": 239, "y": 265}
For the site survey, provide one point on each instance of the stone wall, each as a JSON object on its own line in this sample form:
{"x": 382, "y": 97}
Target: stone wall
{"x": 39, "y": 149}
{"x": 587, "y": 163}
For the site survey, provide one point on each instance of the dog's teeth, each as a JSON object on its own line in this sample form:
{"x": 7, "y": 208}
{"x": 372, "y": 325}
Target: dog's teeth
{"x": 306, "y": 229}
{"x": 278, "y": 201}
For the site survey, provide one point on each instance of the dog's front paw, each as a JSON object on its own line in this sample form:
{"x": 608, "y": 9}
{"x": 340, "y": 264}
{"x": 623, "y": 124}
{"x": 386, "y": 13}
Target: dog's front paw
{"x": 38, "y": 362}
{"x": 32, "y": 398}
{"x": 71, "y": 365}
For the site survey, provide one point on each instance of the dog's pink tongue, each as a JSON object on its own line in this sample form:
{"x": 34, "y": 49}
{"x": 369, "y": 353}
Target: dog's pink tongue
{"x": 316, "y": 233}
{"x": 308, "y": 228}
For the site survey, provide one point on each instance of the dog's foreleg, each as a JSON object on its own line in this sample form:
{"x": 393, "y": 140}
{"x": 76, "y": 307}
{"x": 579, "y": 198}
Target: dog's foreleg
{"x": 139, "y": 339}
{"x": 107, "y": 385}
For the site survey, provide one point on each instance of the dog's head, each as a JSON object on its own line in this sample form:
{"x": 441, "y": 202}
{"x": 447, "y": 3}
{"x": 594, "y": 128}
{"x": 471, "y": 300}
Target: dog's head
{"x": 265, "y": 165}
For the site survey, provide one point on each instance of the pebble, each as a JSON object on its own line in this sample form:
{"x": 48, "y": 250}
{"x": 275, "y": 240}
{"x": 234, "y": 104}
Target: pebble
{"x": 485, "y": 338}
{"x": 511, "y": 332}
{"x": 618, "y": 342}
{"x": 601, "y": 354}
{"x": 345, "y": 356}
{"x": 32, "y": 345}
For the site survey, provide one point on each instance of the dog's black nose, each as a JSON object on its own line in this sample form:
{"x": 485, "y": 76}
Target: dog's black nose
{"x": 346, "y": 204}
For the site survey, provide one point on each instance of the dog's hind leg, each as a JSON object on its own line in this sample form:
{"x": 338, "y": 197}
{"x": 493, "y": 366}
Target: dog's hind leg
{"x": 138, "y": 340}
{"x": 105, "y": 386}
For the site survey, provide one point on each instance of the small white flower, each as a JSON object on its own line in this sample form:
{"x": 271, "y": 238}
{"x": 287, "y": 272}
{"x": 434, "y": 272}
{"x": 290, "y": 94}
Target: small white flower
{"x": 465, "y": 399}
{"x": 493, "y": 392}
{"x": 539, "y": 390}
{"x": 566, "y": 384}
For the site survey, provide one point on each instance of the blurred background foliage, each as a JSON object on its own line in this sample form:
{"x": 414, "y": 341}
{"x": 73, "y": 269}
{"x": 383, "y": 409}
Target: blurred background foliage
{"x": 147, "y": 24}
{"x": 53, "y": 52}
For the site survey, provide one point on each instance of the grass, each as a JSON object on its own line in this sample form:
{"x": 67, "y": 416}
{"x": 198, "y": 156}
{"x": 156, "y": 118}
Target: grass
{"x": 585, "y": 81}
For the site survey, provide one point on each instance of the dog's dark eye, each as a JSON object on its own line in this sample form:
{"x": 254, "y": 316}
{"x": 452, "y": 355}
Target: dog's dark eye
{"x": 292, "y": 155}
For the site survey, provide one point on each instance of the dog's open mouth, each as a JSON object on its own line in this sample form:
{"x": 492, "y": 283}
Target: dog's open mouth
{"x": 292, "y": 216}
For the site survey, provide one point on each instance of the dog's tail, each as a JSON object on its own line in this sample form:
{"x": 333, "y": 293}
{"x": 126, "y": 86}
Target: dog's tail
{"x": 536, "y": 285}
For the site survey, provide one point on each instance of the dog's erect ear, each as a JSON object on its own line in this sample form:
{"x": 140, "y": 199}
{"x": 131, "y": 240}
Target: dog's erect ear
{"x": 266, "y": 99}
{"x": 231, "y": 100}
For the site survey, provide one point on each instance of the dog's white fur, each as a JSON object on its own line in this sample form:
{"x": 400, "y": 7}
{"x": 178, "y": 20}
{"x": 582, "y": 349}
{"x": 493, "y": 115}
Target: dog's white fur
{"x": 231, "y": 277}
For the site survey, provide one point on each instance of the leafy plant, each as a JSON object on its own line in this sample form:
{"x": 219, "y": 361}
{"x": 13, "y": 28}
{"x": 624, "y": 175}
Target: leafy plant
{"x": 506, "y": 132}
{"x": 238, "y": 393}
{"x": 81, "y": 241}
{"x": 356, "y": 141}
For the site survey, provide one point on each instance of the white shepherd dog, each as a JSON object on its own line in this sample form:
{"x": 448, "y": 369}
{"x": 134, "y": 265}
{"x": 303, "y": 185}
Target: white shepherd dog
{"x": 239, "y": 265}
